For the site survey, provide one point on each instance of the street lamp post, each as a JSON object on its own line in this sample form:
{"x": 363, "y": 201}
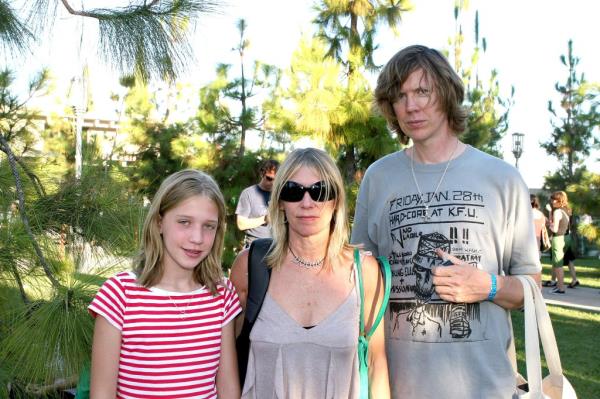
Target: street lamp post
{"x": 517, "y": 147}
{"x": 78, "y": 100}
{"x": 78, "y": 140}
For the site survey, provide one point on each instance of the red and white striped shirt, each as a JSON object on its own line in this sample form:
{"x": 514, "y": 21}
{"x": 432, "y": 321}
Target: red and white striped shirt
{"x": 170, "y": 342}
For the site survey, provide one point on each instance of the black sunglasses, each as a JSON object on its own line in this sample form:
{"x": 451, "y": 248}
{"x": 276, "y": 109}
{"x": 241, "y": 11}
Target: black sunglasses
{"x": 294, "y": 192}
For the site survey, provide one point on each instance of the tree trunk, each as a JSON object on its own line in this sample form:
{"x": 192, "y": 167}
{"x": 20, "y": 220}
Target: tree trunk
{"x": 349, "y": 159}
{"x": 37, "y": 184}
{"x": 243, "y": 114}
{"x": 349, "y": 164}
{"x": 20, "y": 285}
{"x": 21, "y": 200}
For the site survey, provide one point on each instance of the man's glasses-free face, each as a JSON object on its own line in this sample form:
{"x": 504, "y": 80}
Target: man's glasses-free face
{"x": 294, "y": 192}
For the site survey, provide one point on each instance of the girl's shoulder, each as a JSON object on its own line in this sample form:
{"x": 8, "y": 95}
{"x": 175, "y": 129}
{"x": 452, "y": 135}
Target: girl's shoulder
{"x": 126, "y": 278}
{"x": 225, "y": 282}
{"x": 225, "y": 285}
{"x": 123, "y": 281}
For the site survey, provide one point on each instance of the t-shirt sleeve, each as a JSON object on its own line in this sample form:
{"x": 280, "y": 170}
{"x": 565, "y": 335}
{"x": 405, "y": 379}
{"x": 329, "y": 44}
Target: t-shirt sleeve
{"x": 360, "y": 226}
{"x": 243, "y": 206}
{"x": 109, "y": 302}
{"x": 231, "y": 305}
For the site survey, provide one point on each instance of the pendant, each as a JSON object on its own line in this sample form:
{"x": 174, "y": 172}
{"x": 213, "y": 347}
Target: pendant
{"x": 426, "y": 216}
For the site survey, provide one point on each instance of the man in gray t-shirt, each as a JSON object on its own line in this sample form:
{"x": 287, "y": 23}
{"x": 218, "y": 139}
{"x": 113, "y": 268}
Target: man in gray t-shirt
{"x": 251, "y": 211}
{"x": 455, "y": 224}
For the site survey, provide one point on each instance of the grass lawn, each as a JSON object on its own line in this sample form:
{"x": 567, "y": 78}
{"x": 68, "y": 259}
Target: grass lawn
{"x": 587, "y": 270}
{"x": 577, "y": 334}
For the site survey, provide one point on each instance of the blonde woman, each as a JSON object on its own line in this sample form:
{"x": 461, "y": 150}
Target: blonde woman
{"x": 559, "y": 226}
{"x": 165, "y": 329}
{"x": 304, "y": 342}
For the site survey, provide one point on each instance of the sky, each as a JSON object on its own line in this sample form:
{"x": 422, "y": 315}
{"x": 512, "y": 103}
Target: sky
{"x": 525, "y": 40}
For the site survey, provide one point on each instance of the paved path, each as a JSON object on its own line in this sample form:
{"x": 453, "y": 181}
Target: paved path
{"x": 582, "y": 298}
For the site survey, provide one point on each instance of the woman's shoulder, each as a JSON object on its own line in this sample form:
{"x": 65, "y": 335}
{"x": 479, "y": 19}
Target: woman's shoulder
{"x": 239, "y": 270}
{"x": 367, "y": 262}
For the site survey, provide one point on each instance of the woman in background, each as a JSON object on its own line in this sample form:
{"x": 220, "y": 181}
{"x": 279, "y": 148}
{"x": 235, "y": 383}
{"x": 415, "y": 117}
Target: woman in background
{"x": 559, "y": 226}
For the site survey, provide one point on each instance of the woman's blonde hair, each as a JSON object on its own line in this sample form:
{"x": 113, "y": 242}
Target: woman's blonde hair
{"x": 175, "y": 189}
{"x": 324, "y": 166}
{"x": 562, "y": 201}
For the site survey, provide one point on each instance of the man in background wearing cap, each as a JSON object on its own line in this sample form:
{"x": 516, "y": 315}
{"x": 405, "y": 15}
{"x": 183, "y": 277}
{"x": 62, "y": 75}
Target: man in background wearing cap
{"x": 455, "y": 224}
{"x": 252, "y": 207}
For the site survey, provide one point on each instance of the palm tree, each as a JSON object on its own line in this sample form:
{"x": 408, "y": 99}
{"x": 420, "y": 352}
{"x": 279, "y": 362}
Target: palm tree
{"x": 349, "y": 28}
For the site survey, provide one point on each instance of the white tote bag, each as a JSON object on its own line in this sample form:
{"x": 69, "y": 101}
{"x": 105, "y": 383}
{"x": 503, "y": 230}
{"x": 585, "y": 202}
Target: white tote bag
{"x": 537, "y": 320}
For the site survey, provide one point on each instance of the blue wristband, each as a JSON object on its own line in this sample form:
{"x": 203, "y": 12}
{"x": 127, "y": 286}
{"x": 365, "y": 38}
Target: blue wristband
{"x": 493, "y": 288}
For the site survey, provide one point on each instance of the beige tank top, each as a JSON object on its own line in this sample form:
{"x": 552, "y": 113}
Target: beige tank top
{"x": 289, "y": 361}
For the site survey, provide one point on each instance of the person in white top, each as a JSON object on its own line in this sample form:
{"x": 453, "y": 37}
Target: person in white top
{"x": 539, "y": 220}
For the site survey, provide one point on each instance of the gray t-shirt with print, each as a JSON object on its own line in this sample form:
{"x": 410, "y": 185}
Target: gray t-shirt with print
{"x": 480, "y": 214}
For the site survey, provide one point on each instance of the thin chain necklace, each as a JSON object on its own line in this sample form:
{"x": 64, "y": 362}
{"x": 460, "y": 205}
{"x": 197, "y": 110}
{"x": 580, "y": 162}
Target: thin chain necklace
{"x": 426, "y": 215}
{"x": 182, "y": 311}
{"x": 306, "y": 263}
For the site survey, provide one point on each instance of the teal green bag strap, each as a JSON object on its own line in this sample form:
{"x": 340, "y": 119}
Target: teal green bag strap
{"x": 364, "y": 336}
{"x": 83, "y": 385}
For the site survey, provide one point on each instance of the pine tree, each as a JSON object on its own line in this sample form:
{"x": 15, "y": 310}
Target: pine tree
{"x": 150, "y": 39}
{"x": 220, "y": 99}
{"x": 575, "y": 128}
{"x": 489, "y": 111}
{"x": 49, "y": 228}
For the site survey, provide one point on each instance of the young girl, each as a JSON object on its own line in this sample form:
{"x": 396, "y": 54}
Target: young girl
{"x": 165, "y": 330}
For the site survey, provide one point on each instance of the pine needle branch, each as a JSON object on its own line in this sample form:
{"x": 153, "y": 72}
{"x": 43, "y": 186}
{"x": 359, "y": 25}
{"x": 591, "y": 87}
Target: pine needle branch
{"x": 14, "y": 35}
{"x": 150, "y": 40}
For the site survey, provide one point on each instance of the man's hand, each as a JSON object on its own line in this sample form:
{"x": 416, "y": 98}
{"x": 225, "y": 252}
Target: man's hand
{"x": 460, "y": 282}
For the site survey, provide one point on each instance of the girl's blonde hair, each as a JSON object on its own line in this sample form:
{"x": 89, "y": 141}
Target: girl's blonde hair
{"x": 175, "y": 189}
{"x": 324, "y": 166}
